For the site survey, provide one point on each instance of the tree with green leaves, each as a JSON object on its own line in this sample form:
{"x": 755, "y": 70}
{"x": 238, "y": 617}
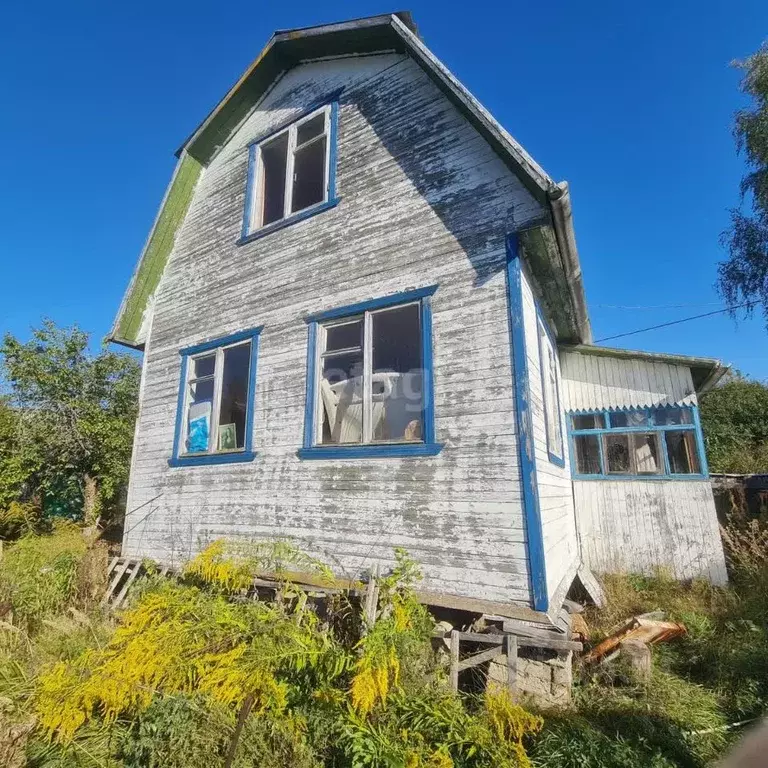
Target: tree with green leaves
{"x": 743, "y": 277}
{"x": 70, "y": 417}
{"x": 734, "y": 418}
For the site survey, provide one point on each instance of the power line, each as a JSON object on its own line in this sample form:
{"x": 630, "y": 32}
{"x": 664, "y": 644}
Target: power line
{"x": 658, "y": 306}
{"x": 682, "y": 320}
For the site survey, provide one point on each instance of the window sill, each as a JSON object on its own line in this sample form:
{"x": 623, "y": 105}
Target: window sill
{"x": 558, "y": 461}
{"x": 292, "y": 219}
{"x": 213, "y": 458}
{"x": 642, "y": 478}
{"x": 392, "y": 450}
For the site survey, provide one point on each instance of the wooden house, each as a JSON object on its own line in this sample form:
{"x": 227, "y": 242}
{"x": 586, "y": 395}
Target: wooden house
{"x": 364, "y": 327}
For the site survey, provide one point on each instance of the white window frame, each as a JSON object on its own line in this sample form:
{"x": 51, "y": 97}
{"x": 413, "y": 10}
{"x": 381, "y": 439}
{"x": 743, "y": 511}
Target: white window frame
{"x": 256, "y": 212}
{"x": 218, "y": 378}
{"x": 550, "y": 394}
{"x": 367, "y": 350}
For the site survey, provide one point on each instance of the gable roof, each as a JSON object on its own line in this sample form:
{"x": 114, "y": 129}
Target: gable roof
{"x": 553, "y": 253}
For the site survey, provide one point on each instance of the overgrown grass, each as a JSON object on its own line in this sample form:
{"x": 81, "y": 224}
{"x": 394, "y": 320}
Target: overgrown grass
{"x": 193, "y": 675}
{"x": 702, "y": 683}
{"x": 166, "y": 682}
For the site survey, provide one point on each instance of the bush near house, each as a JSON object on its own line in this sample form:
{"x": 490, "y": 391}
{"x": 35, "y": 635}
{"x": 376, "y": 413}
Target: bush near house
{"x": 734, "y": 418}
{"x": 66, "y": 429}
{"x": 189, "y": 669}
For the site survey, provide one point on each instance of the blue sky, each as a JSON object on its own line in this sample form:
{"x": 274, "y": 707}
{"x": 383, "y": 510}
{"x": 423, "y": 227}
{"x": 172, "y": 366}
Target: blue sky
{"x": 631, "y": 103}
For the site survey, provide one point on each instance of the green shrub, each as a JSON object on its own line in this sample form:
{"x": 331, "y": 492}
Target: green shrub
{"x": 19, "y": 519}
{"x": 39, "y": 574}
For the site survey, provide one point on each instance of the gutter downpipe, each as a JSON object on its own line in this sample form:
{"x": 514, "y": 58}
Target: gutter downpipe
{"x": 562, "y": 217}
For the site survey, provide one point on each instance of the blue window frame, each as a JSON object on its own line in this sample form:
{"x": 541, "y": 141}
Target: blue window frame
{"x": 642, "y": 443}
{"x": 550, "y": 391}
{"x": 292, "y": 172}
{"x": 369, "y": 380}
{"x": 216, "y": 398}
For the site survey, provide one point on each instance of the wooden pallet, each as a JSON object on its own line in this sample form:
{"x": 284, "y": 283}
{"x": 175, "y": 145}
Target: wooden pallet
{"x": 121, "y": 574}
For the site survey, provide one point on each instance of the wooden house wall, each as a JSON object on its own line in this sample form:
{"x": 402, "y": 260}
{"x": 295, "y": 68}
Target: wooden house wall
{"x": 561, "y": 552}
{"x": 640, "y": 525}
{"x": 424, "y": 201}
{"x": 592, "y": 382}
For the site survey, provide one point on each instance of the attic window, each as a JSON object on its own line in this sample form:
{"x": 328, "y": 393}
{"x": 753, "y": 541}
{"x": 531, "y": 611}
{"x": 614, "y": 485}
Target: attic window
{"x": 290, "y": 173}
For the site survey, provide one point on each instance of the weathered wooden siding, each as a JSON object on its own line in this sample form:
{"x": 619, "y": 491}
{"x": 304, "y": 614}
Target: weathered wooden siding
{"x": 638, "y": 526}
{"x": 424, "y": 201}
{"x": 592, "y": 382}
{"x": 558, "y": 520}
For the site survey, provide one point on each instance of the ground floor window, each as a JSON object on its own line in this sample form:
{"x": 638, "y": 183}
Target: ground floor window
{"x": 644, "y": 442}
{"x": 215, "y": 410}
{"x": 370, "y": 377}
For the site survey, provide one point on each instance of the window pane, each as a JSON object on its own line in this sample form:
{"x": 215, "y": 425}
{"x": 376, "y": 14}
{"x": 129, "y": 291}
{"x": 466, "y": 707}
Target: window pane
{"x": 683, "y": 456}
{"x": 587, "y": 454}
{"x": 672, "y": 416}
{"x": 203, "y": 366}
{"x": 617, "y": 453}
{"x": 629, "y": 419}
{"x": 646, "y": 448}
{"x": 549, "y": 379}
{"x": 273, "y": 161}
{"x": 311, "y": 128}
{"x": 199, "y": 416}
{"x": 234, "y": 398}
{"x": 588, "y": 421}
{"x": 396, "y": 397}
{"x": 340, "y": 399}
{"x": 308, "y": 175}
{"x": 344, "y": 336}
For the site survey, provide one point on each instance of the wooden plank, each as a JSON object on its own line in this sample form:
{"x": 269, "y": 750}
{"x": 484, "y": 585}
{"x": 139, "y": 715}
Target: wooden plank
{"x": 480, "y": 658}
{"x": 120, "y": 570}
{"x": 455, "y": 641}
{"x": 510, "y": 646}
{"x": 523, "y": 642}
{"x": 518, "y": 628}
{"x": 472, "y": 605}
{"x": 131, "y": 577}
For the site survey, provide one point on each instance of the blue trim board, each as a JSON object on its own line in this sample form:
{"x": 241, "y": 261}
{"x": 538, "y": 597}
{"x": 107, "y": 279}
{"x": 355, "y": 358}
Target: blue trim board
{"x": 393, "y": 450}
{"x": 553, "y": 457}
{"x": 333, "y": 152}
{"x": 694, "y": 427}
{"x": 381, "y": 451}
{"x": 427, "y": 377}
{"x": 249, "y": 183}
{"x": 247, "y": 454}
{"x": 221, "y": 342}
{"x": 309, "y": 405}
{"x": 363, "y": 306}
{"x": 251, "y": 393}
{"x": 180, "y": 407}
{"x": 526, "y": 449}
{"x": 286, "y": 222}
{"x": 213, "y": 458}
{"x": 324, "y": 101}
